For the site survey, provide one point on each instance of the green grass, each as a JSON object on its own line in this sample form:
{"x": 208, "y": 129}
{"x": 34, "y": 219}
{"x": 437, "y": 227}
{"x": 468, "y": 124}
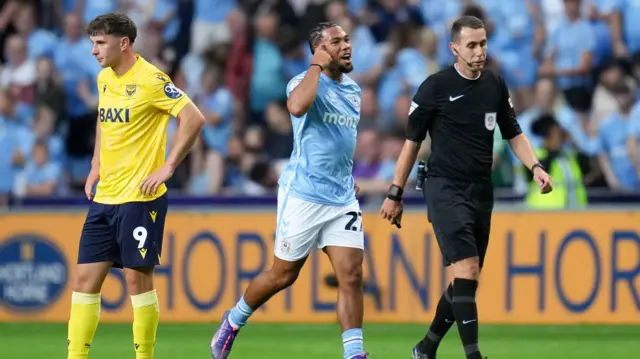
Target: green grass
{"x": 283, "y": 341}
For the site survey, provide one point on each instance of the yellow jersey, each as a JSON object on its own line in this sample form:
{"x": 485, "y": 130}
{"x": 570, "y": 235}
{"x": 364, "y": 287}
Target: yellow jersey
{"x": 134, "y": 111}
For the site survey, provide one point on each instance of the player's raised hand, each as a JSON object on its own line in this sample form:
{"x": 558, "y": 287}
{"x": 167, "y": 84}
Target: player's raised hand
{"x": 543, "y": 179}
{"x": 392, "y": 211}
{"x": 322, "y": 57}
{"x": 92, "y": 178}
{"x": 151, "y": 184}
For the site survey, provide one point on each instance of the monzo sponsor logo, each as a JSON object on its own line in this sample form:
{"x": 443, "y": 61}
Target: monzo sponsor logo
{"x": 340, "y": 120}
{"x": 114, "y": 115}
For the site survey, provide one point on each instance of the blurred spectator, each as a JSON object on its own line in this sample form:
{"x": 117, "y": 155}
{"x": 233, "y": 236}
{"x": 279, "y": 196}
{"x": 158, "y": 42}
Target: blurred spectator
{"x": 209, "y": 26}
{"x": 615, "y": 160}
{"x": 239, "y": 64}
{"x": 49, "y": 90}
{"x": 44, "y": 130}
{"x": 367, "y": 156}
{"x": 633, "y": 138}
{"x": 625, "y": 27}
{"x": 216, "y": 103}
{"x": 19, "y": 71}
{"x": 79, "y": 71}
{"x": 604, "y": 102}
{"x": 279, "y": 135}
{"x": 90, "y": 9}
{"x": 570, "y": 56}
{"x": 267, "y": 80}
{"x": 562, "y": 164}
{"x": 41, "y": 174}
{"x": 39, "y": 42}
{"x": 152, "y": 47}
{"x": 516, "y": 39}
{"x": 386, "y": 14}
{"x": 15, "y": 144}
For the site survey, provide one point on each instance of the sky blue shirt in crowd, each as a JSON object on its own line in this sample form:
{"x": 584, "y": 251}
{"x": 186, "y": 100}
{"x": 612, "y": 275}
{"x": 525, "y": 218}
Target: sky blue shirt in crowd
{"x": 321, "y": 164}
{"x": 410, "y": 69}
{"x": 75, "y": 63}
{"x": 613, "y": 138}
{"x": 439, "y": 15}
{"x": 213, "y": 11}
{"x": 266, "y": 76}
{"x": 355, "y": 6}
{"x": 41, "y": 43}
{"x": 94, "y": 8}
{"x": 570, "y": 40}
{"x": 35, "y": 175}
{"x": 367, "y": 53}
{"x": 8, "y": 144}
{"x": 164, "y": 7}
{"x": 630, "y": 10}
{"x": 217, "y": 136}
{"x": 634, "y": 121}
{"x": 569, "y": 120}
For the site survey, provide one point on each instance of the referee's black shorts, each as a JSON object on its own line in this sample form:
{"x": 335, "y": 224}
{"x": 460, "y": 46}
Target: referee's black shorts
{"x": 460, "y": 213}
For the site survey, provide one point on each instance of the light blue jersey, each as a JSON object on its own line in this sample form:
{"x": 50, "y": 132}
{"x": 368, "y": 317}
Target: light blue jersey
{"x": 320, "y": 167}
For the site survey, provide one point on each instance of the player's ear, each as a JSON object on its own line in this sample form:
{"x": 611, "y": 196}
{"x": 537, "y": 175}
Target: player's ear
{"x": 124, "y": 42}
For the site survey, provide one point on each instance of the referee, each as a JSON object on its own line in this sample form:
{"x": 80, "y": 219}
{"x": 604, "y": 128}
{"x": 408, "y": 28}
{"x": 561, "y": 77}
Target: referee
{"x": 460, "y": 107}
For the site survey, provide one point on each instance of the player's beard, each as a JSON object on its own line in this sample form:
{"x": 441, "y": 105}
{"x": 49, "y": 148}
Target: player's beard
{"x": 345, "y": 68}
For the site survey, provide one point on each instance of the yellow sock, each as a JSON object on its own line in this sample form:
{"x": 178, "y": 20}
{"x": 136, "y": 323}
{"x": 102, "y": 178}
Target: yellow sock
{"x": 85, "y": 314}
{"x": 146, "y": 315}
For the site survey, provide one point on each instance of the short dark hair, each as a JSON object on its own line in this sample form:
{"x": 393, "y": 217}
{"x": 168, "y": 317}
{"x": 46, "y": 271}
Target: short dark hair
{"x": 315, "y": 35}
{"x": 470, "y": 22}
{"x": 114, "y": 23}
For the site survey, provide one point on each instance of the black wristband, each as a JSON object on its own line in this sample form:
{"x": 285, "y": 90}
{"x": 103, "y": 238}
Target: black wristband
{"x": 539, "y": 165}
{"x": 395, "y": 193}
{"x": 320, "y": 66}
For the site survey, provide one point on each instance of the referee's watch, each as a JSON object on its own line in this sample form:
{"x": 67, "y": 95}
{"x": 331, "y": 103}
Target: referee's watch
{"x": 395, "y": 193}
{"x": 538, "y": 165}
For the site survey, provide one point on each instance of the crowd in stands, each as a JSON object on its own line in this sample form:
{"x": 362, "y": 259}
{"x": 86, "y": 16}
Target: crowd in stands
{"x": 573, "y": 63}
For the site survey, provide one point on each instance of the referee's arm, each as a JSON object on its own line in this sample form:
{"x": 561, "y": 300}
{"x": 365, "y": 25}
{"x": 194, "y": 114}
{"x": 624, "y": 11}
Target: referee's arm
{"x": 421, "y": 115}
{"x": 512, "y": 132}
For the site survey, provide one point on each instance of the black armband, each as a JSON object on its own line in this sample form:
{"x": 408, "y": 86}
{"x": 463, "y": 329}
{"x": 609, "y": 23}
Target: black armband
{"x": 395, "y": 193}
{"x": 320, "y": 66}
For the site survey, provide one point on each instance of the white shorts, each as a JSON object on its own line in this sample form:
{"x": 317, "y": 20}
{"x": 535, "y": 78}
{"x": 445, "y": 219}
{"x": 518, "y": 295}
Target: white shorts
{"x": 302, "y": 226}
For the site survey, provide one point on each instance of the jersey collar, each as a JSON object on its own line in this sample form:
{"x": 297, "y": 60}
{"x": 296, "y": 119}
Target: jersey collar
{"x": 455, "y": 66}
{"x": 131, "y": 71}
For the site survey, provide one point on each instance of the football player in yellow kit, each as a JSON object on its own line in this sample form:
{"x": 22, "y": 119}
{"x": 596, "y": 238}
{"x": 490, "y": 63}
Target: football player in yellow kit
{"x": 125, "y": 222}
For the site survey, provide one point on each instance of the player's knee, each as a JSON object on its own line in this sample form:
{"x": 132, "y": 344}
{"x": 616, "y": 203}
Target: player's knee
{"x": 283, "y": 277}
{"x": 468, "y": 268}
{"x": 351, "y": 278}
{"x": 88, "y": 278}
{"x": 139, "y": 280}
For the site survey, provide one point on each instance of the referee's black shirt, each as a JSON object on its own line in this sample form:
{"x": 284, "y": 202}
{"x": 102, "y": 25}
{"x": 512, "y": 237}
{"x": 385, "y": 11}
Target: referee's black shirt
{"x": 460, "y": 115}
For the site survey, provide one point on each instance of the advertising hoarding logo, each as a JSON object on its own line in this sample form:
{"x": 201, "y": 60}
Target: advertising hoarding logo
{"x": 33, "y": 273}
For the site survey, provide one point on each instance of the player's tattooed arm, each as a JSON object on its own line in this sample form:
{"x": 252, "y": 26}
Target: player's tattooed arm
{"x": 303, "y": 95}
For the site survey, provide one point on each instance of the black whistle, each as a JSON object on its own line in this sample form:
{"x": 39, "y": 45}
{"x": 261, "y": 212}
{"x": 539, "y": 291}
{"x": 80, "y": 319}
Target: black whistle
{"x": 422, "y": 175}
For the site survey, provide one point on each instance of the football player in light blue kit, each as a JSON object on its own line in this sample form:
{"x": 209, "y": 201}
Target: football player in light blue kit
{"x": 317, "y": 204}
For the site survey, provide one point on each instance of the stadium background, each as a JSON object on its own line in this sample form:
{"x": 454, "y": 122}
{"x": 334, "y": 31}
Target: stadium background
{"x": 571, "y": 265}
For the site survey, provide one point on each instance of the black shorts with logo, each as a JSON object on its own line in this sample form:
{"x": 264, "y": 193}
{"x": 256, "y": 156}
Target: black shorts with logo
{"x": 460, "y": 213}
{"x": 129, "y": 234}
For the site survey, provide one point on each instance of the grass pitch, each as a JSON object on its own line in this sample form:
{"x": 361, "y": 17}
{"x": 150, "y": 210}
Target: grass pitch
{"x": 284, "y": 341}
